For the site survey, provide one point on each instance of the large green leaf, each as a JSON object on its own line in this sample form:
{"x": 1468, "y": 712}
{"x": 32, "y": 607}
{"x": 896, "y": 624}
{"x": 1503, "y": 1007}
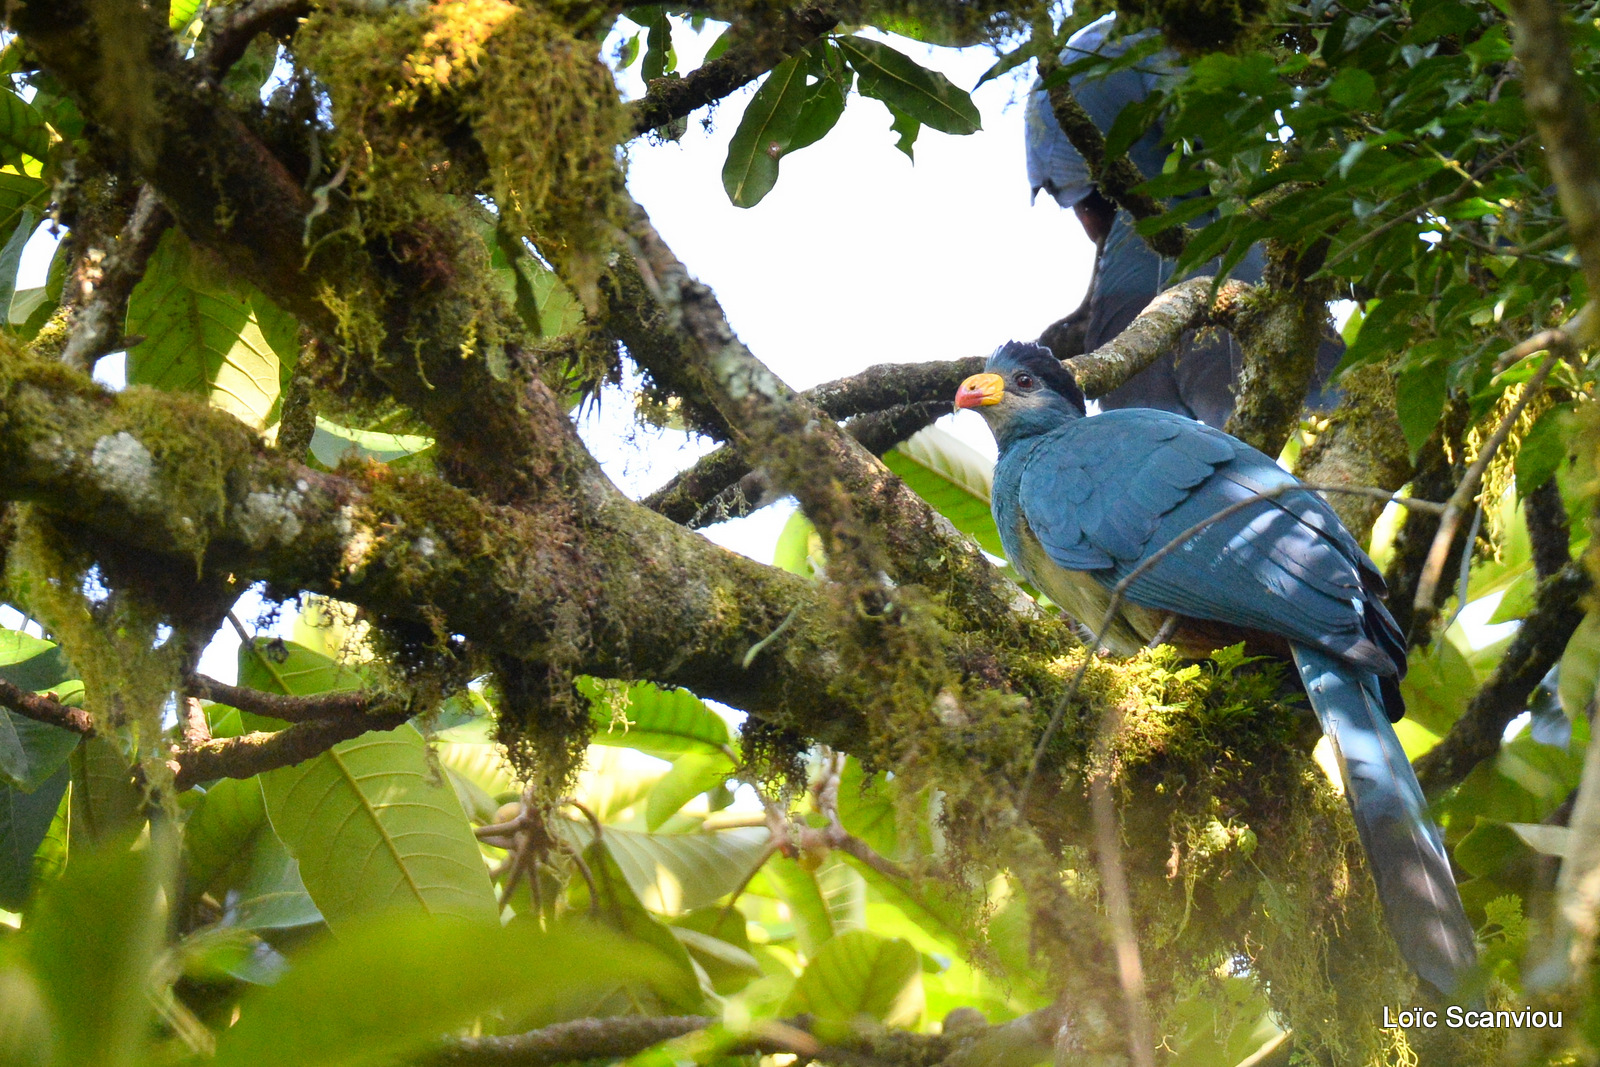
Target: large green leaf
{"x": 674, "y": 873}
{"x": 1580, "y": 667}
{"x": 692, "y": 773}
{"x": 765, "y": 133}
{"x": 32, "y": 751}
{"x": 24, "y": 820}
{"x": 269, "y": 894}
{"x": 106, "y": 803}
{"x": 217, "y": 830}
{"x": 22, "y": 130}
{"x": 857, "y": 975}
{"x": 91, "y": 940}
{"x": 953, "y": 477}
{"x": 331, "y": 443}
{"x": 925, "y": 95}
{"x": 11, "y": 254}
{"x": 376, "y": 828}
{"x": 292, "y": 669}
{"x": 797, "y": 887}
{"x": 389, "y": 989}
{"x": 206, "y": 334}
{"x": 651, "y": 719}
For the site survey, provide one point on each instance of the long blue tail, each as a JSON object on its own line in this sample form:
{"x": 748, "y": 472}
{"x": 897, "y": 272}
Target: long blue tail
{"x": 1405, "y": 853}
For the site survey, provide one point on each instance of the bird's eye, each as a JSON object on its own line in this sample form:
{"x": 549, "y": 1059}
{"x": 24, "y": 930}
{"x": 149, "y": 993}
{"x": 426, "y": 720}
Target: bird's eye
{"x": 1024, "y": 381}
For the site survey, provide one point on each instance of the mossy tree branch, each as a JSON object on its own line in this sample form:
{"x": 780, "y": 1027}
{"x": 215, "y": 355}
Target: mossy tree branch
{"x": 693, "y": 496}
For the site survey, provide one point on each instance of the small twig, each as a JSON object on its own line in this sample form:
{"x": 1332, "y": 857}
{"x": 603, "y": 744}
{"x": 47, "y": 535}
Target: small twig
{"x": 1428, "y": 583}
{"x": 230, "y": 35}
{"x": 97, "y": 326}
{"x": 287, "y": 708}
{"x": 1114, "y": 886}
{"x": 248, "y": 756}
{"x": 196, "y": 730}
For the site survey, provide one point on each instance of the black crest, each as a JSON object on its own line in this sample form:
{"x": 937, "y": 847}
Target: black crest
{"x": 1042, "y": 364}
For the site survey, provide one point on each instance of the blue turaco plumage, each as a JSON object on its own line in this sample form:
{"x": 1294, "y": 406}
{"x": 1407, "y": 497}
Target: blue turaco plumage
{"x": 1197, "y": 380}
{"x": 1082, "y": 501}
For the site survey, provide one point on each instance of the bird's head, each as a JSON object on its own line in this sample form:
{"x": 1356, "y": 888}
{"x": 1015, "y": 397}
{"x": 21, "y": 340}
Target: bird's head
{"x": 1024, "y": 390}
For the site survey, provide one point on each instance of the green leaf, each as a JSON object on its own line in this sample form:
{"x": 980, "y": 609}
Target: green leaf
{"x": 106, "y": 804}
{"x": 765, "y": 133}
{"x": 219, "y": 828}
{"x": 1438, "y": 685}
{"x": 11, "y": 254}
{"x": 858, "y": 974}
{"x": 1580, "y": 666}
{"x": 32, "y": 751}
{"x": 269, "y": 894}
{"x": 287, "y": 667}
{"x": 182, "y": 12}
{"x": 1420, "y": 394}
{"x": 22, "y": 130}
{"x": 797, "y": 887}
{"x": 662, "y": 722}
{"x": 331, "y": 443}
{"x": 376, "y": 828}
{"x": 1543, "y": 450}
{"x": 92, "y": 939}
{"x": 1353, "y": 88}
{"x": 819, "y": 114}
{"x": 692, "y": 773}
{"x": 674, "y": 873}
{"x": 799, "y": 544}
{"x": 203, "y": 334}
{"x": 718, "y": 940}
{"x": 389, "y": 989}
{"x": 24, "y": 820}
{"x": 905, "y": 129}
{"x": 925, "y": 95}
{"x": 953, "y": 477}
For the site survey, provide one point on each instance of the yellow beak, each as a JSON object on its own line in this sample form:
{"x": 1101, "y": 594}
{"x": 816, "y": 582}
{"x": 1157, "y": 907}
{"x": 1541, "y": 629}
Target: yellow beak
{"x": 981, "y": 391}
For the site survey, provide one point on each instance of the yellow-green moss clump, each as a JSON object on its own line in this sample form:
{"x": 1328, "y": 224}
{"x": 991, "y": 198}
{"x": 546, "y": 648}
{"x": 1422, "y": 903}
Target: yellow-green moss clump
{"x": 448, "y": 94}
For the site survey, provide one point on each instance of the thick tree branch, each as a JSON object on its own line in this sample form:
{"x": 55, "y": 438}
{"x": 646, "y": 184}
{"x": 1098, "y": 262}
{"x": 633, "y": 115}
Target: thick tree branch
{"x": 230, "y": 193}
{"x": 1362, "y": 445}
{"x": 1538, "y": 645}
{"x": 1115, "y": 178}
{"x": 1019, "y": 1043}
{"x": 45, "y": 709}
{"x": 1549, "y": 534}
{"x": 757, "y": 51}
{"x": 254, "y": 753}
{"x": 682, "y": 611}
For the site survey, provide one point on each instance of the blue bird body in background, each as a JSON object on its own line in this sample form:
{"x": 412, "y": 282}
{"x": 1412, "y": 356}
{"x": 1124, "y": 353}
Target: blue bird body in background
{"x": 1081, "y": 502}
{"x": 1197, "y": 380}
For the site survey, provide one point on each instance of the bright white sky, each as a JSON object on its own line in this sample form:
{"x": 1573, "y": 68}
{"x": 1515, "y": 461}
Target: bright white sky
{"x": 856, "y": 257}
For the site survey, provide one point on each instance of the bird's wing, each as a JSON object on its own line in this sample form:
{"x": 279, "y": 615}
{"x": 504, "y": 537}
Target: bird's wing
{"x": 1113, "y": 490}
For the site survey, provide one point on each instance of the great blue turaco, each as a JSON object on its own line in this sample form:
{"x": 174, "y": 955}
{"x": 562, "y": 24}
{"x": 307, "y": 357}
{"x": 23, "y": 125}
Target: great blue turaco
{"x": 1081, "y": 502}
{"x": 1197, "y": 379}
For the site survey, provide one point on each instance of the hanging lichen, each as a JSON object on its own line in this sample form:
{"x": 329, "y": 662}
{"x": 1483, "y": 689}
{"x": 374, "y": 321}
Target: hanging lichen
{"x": 110, "y": 636}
